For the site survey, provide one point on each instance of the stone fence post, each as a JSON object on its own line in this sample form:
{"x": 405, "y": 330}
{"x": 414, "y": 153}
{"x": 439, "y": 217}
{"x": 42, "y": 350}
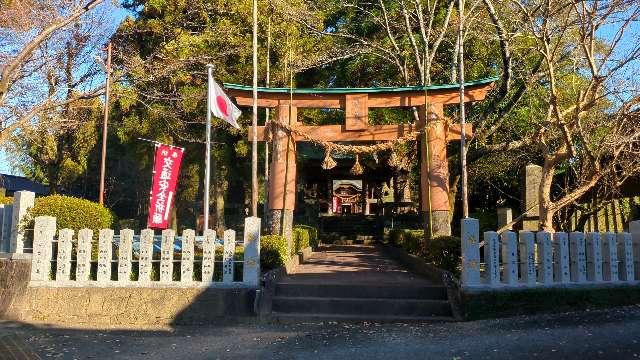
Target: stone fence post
{"x": 43, "y": 233}
{"x": 634, "y": 229}
{"x": 22, "y": 201}
{"x": 251, "y": 268}
{"x": 470, "y": 246}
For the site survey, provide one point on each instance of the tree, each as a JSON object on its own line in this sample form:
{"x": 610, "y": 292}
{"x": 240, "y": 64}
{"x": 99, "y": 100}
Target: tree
{"x": 31, "y": 34}
{"x": 584, "y": 121}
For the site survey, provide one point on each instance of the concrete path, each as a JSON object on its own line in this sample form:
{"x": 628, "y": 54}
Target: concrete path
{"x": 362, "y": 264}
{"x": 611, "y": 334}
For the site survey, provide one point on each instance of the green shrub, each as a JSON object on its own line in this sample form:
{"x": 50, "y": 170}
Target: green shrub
{"x": 408, "y": 239}
{"x": 444, "y": 252}
{"x": 72, "y": 213}
{"x": 312, "y": 233}
{"x": 273, "y": 252}
{"x": 300, "y": 239}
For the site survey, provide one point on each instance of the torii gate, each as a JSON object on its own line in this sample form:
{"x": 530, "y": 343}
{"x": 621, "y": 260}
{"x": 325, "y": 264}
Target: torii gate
{"x": 356, "y": 103}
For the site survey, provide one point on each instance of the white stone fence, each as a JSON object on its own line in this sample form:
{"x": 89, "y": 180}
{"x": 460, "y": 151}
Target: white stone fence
{"x": 530, "y": 260}
{"x": 73, "y": 259}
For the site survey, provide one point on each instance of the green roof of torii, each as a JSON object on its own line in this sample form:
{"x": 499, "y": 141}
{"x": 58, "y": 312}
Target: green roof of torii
{"x": 361, "y": 90}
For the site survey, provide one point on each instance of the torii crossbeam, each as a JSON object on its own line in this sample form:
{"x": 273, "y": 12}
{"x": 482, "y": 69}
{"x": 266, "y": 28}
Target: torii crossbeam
{"x": 356, "y": 103}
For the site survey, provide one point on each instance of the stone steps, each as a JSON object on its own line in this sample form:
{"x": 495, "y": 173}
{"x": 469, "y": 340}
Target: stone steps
{"x": 360, "y": 302}
{"x": 363, "y": 291}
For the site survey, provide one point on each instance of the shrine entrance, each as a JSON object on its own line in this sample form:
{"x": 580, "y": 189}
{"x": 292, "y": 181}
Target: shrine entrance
{"x": 285, "y": 132}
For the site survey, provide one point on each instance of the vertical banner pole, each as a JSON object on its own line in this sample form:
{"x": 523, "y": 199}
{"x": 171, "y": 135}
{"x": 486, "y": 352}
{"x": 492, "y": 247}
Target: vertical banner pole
{"x": 254, "y": 124}
{"x": 463, "y": 140}
{"x": 207, "y": 156}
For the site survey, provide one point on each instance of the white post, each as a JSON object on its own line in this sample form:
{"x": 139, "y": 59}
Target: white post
{"x": 166, "y": 256}
{"x": 625, "y": 255}
{"x": 561, "y": 254}
{"x": 594, "y": 257}
{"x": 578, "y": 257}
{"x": 610, "y": 255}
{"x": 227, "y": 256}
{"x": 186, "y": 262}
{"x": 251, "y": 261}
{"x": 527, "y": 257}
{"x": 22, "y": 201}
{"x": 470, "y": 243}
{"x": 545, "y": 254}
{"x": 43, "y": 233}
{"x": 125, "y": 255}
{"x": 4, "y": 244}
{"x": 208, "y": 255}
{"x": 509, "y": 257}
{"x": 146, "y": 256}
{"x": 105, "y": 255}
{"x": 63, "y": 260}
{"x": 7, "y": 226}
{"x": 83, "y": 256}
{"x": 492, "y": 257}
{"x": 634, "y": 229}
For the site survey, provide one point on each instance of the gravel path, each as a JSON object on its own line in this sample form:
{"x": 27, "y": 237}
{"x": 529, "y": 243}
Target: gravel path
{"x": 610, "y": 334}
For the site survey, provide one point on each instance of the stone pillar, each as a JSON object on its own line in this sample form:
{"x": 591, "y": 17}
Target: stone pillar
{"x": 434, "y": 184}
{"x": 63, "y": 259}
{"x": 22, "y": 201}
{"x": 609, "y": 257}
{"x": 251, "y": 267}
{"x": 531, "y": 178}
{"x": 83, "y": 256}
{"x": 492, "y": 257}
{"x": 470, "y": 249}
{"x": 634, "y": 229}
{"x": 228, "y": 254}
{"x": 283, "y": 176}
{"x": 208, "y": 256}
{"x": 578, "y": 257}
{"x": 527, "y": 257}
{"x": 44, "y": 231}
{"x": 505, "y": 216}
{"x": 187, "y": 255}
{"x": 594, "y": 257}
{"x": 561, "y": 254}
{"x": 509, "y": 257}
{"x": 545, "y": 254}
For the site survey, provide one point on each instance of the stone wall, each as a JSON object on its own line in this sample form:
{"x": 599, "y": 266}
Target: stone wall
{"x": 116, "y": 306}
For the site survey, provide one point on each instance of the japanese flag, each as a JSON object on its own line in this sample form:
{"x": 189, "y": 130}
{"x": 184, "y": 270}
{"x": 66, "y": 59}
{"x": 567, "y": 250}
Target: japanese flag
{"x": 221, "y": 106}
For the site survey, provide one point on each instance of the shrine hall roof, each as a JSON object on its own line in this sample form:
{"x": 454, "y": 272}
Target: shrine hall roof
{"x": 361, "y": 90}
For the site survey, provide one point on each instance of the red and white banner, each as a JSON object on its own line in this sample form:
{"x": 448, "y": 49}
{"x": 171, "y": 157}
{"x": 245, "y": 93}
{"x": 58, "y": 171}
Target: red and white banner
{"x": 163, "y": 188}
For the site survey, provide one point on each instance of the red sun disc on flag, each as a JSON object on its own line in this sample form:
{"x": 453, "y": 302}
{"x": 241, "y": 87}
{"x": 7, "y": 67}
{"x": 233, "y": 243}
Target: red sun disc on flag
{"x": 222, "y": 105}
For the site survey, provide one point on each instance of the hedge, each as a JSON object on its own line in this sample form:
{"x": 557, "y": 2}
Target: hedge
{"x": 443, "y": 251}
{"x": 273, "y": 252}
{"x": 312, "y": 234}
{"x": 6, "y": 200}
{"x": 72, "y": 213}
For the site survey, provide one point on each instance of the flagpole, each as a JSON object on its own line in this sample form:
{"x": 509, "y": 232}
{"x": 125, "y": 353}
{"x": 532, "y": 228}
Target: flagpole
{"x": 463, "y": 140}
{"x": 254, "y": 124}
{"x": 207, "y": 162}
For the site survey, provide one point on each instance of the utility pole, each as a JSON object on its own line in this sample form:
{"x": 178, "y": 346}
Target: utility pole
{"x": 266, "y": 121}
{"x": 254, "y": 124}
{"x": 103, "y": 156}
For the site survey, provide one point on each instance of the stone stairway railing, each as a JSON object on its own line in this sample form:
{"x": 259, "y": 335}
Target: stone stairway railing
{"x": 530, "y": 260}
{"x": 129, "y": 260}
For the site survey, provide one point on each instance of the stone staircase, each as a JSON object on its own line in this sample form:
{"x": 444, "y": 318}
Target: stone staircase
{"x": 358, "y": 283}
{"x": 360, "y": 302}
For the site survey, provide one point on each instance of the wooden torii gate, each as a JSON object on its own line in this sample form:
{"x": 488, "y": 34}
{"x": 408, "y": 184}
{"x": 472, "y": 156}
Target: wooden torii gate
{"x": 356, "y": 103}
